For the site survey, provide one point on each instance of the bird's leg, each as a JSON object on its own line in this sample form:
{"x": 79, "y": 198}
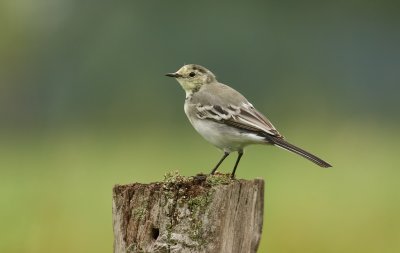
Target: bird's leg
{"x": 219, "y": 163}
{"x": 240, "y": 153}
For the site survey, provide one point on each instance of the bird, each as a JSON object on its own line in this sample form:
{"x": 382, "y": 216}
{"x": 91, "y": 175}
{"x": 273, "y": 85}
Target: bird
{"x": 226, "y": 119}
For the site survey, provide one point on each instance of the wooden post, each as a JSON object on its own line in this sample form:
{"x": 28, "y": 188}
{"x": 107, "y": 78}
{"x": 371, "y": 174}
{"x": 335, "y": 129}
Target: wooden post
{"x": 189, "y": 214}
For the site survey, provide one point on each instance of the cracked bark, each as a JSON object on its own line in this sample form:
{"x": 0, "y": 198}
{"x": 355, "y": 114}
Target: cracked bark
{"x": 189, "y": 215}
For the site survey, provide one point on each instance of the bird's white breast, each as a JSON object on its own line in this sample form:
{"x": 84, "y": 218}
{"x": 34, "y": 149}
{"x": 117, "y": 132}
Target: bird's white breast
{"x": 222, "y": 136}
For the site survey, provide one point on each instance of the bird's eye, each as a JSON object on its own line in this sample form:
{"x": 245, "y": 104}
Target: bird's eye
{"x": 192, "y": 74}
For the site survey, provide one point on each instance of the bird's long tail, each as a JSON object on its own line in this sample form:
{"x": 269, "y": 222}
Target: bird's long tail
{"x": 277, "y": 141}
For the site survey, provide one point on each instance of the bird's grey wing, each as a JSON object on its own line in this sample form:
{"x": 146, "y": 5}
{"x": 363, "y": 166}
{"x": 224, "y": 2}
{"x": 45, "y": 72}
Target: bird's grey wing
{"x": 244, "y": 117}
{"x": 221, "y": 103}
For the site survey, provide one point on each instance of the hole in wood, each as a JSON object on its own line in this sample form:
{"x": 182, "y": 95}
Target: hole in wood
{"x": 155, "y": 232}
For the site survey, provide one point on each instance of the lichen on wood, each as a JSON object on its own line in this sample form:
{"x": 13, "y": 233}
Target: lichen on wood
{"x": 188, "y": 214}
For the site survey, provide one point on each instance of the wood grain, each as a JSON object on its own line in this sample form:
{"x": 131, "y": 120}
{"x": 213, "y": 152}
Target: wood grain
{"x": 189, "y": 214}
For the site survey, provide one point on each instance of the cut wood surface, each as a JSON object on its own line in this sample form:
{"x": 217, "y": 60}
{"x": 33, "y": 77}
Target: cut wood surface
{"x": 189, "y": 214}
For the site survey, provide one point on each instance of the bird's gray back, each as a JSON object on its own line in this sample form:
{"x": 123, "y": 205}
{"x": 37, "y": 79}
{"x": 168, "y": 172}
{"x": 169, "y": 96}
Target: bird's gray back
{"x": 217, "y": 94}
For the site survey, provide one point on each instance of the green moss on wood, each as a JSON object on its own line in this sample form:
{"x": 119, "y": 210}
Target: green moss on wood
{"x": 139, "y": 212}
{"x": 219, "y": 179}
{"x": 193, "y": 194}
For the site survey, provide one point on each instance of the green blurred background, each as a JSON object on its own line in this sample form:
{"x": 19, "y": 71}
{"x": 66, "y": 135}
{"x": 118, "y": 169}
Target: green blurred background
{"x": 84, "y": 105}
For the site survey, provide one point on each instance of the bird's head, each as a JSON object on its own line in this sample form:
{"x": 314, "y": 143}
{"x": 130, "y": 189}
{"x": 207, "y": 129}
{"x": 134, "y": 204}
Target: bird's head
{"x": 191, "y": 77}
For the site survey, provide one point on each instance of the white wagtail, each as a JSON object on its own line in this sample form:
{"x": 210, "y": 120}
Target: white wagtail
{"x": 225, "y": 118}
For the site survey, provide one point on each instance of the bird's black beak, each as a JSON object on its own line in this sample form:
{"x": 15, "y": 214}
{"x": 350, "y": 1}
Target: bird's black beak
{"x": 176, "y": 75}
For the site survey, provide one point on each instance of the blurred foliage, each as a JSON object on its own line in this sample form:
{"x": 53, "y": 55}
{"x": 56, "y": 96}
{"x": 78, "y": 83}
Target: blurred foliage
{"x": 84, "y": 105}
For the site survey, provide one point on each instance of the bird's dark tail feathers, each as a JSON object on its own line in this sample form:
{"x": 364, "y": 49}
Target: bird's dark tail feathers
{"x": 277, "y": 141}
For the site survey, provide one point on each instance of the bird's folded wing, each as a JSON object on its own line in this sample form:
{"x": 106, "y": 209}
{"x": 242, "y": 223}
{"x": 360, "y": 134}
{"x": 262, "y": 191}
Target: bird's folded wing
{"x": 245, "y": 117}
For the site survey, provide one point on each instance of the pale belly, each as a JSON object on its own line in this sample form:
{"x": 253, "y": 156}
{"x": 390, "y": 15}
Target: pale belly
{"x": 225, "y": 137}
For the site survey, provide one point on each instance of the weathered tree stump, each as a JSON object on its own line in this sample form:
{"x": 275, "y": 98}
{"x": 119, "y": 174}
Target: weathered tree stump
{"x": 189, "y": 214}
